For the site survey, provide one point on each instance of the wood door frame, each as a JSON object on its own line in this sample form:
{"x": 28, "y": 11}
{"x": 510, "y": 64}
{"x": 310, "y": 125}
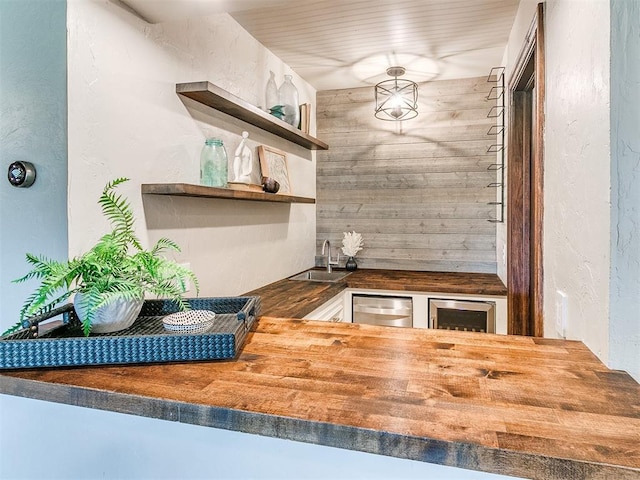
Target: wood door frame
{"x": 525, "y": 157}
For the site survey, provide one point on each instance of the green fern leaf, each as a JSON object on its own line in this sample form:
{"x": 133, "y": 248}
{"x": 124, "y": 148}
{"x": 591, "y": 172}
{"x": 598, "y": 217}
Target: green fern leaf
{"x": 117, "y": 267}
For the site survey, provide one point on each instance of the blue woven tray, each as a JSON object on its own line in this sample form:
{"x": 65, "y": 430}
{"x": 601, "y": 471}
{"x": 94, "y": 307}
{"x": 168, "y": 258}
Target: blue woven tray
{"x": 144, "y": 342}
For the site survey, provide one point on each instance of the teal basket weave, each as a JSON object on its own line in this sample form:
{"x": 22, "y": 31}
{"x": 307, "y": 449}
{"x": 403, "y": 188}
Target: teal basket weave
{"x": 146, "y": 341}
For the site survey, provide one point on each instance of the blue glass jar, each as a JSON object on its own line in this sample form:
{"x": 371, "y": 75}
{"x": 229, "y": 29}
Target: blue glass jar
{"x": 213, "y": 164}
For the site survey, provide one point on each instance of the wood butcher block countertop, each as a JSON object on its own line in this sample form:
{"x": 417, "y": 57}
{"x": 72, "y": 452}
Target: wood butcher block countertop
{"x": 522, "y": 406}
{"x": 288, "y": 298}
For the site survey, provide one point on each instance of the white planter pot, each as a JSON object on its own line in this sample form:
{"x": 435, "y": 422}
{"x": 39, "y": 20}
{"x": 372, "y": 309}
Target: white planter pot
{"x": 115, "y": 316}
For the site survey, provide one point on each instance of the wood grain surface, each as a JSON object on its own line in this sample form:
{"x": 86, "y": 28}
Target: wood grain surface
{"x": 451, "y": 282}
{"x": 523, "y": 406}
{"x": 190, "y": 190}
{"x": 212, "y": 96}
{"x": 388, "y": 179}
{"x": 295, "y": 299}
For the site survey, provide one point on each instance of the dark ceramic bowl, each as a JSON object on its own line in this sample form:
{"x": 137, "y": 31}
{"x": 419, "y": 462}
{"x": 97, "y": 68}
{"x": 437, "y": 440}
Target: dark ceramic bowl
{"x": 269, "y": 185}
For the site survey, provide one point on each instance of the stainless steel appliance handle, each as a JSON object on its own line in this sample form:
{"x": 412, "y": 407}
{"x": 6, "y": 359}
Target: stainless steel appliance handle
{"x": 382, "y": 311}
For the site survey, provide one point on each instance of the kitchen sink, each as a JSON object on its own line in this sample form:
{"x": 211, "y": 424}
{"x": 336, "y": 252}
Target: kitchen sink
{"x": 320, "y": 276}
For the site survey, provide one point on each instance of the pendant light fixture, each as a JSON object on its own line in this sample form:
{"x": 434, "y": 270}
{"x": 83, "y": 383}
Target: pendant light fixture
{"x": 396, "y": 99}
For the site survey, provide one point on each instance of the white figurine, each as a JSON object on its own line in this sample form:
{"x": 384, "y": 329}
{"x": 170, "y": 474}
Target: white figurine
{"x": 243, "y": 161}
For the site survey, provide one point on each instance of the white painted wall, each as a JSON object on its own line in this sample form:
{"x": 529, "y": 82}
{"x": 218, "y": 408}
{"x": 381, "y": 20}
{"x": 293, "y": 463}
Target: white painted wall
{"x": 577, "y": 172}
{"x": 125, "y": 119}
{"x": 591, "y": 181}
{"x": 624, "y": 324}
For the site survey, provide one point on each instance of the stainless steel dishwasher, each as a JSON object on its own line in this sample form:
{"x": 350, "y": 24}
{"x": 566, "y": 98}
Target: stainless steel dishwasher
{"x": 383, "y": 310}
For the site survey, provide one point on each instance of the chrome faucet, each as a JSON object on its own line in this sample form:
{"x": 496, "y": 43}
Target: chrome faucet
{"x": 327, "y": 244}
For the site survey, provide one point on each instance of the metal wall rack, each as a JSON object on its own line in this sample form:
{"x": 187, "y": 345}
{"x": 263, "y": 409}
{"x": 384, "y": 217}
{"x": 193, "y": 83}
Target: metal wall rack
{"x": 496, "y": 77}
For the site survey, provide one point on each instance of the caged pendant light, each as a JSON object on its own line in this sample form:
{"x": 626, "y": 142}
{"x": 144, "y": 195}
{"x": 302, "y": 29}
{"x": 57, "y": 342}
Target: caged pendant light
{"x": 396, "y": 99}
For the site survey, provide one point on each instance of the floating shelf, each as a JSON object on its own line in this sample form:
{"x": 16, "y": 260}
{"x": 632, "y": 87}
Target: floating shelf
{"x": 215, "y": 97}
{"x": 190, "y": 190}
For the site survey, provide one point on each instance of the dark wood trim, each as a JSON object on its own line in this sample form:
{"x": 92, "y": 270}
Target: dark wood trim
{"x": 525, "y": 186}
{"x": 518, "y": 274}
{"x": 537, "y": 183}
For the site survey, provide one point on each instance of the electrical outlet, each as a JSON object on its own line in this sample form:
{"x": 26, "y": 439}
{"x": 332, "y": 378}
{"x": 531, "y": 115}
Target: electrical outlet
{"x": 561, "y": 313}
{"x": 187, "y": 282}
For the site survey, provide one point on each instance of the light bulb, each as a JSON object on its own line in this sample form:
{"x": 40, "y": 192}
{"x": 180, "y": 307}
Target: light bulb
{"x": 396, "y": 100}
{"x": 396, "y": 106}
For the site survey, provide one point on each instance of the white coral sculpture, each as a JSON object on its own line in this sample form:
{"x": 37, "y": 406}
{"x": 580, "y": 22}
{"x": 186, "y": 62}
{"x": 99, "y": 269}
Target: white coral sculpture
{"x": 352, "y": 243}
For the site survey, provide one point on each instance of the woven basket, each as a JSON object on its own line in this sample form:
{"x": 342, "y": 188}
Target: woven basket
{"x": 145, "y": 341}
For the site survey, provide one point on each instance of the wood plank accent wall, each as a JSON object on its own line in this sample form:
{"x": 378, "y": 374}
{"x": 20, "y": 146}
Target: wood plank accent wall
{"x": 416, "y": 190}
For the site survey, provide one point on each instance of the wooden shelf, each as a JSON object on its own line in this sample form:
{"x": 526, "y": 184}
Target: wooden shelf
{"x": 190, "y": 190}
{"x": 215, "y": 97}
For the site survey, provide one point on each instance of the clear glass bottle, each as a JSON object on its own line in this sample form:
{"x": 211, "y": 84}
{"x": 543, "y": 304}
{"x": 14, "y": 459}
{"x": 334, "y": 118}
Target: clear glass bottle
{"x": 271, "y": 93}
{"x": 288, "y": 94}
{"x": 213, "y": 164}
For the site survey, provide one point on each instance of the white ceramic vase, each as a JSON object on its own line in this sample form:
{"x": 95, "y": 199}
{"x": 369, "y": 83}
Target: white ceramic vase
{"x": 114, "y": 316}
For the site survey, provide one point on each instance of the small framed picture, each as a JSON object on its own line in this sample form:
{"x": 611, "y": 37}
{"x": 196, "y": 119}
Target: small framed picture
{"x": 273, "y": 163}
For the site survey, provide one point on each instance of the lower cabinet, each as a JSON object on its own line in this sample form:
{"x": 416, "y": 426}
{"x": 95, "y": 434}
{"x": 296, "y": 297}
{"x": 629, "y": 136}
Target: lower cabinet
{"x": 331, "y": 311}
{"x": 424, "y": 304}
{"x": 340, "y": 307}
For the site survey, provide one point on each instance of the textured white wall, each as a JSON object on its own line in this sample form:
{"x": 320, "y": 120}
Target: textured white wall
{"x": 624, "y": 324}
{"x": 577, "y": 176}
{"x": 125, "y": 119}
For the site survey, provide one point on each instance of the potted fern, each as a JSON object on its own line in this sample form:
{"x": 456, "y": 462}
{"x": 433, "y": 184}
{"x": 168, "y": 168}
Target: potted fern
{"x": 110, "y": 280}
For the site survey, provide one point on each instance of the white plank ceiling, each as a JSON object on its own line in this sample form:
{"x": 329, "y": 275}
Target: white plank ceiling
{"x": 350, "y": 43}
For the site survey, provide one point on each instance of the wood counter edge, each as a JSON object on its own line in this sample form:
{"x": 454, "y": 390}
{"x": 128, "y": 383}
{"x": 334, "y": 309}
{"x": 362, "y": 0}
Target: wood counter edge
{"x": 449, "y": 453}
